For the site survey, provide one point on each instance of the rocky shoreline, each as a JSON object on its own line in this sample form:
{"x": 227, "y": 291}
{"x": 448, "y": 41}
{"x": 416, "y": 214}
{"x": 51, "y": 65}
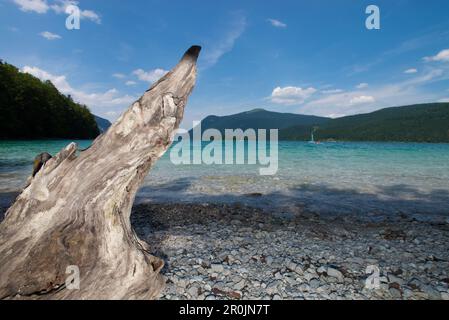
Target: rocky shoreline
{"x": 218, "y": 251}
{"x": 224, "y": 251}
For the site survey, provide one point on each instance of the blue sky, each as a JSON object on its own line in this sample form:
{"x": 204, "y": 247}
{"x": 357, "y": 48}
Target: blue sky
{"x": 311, "y": 57}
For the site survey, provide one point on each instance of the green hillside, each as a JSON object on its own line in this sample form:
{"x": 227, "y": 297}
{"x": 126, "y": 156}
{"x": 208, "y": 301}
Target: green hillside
{"x": 415, "y": 123}
{"x": 32, "y": 109}
{"x": 260, "y": 119}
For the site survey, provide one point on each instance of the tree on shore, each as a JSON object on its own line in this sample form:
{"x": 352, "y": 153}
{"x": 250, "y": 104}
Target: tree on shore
{"x": 35, "y": 109}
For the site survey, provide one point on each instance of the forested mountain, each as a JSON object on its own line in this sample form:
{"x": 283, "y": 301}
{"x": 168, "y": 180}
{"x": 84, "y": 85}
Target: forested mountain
{"x": 260, "y": 119}
{"x": 35, "y": 109}
{"x": 103, "y": 124}
{"x": 415, "y": 123}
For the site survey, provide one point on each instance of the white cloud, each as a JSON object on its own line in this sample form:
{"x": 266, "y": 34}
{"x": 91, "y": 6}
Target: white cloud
{"x": 60, "y": 82}
{"x": 411, "y": 71}
{"x": 362, "y": 85}
{"x": 91, "y": 15}
{"x": 109, "y": 98}
{"x": 130, "y": 83}
{"x": 150, "y": 76}
{"x": 441, "y": 56}
{"x": 119, "y": 75}
{"x": 112, "y": 114}
{"x": 444, "y": 100}
{"x": 39, "y": 6}
{"x": 373, "y": 98}
{"x": 277, "y": 23}
{"x": 334, "y": 115}
{"x": 337, "y": 105}
{"x": 226, "y": 44}
{"x": 332, "y": 91}
{"x": 429, "y": 76}
{"x": 291, "y": 95}
{"x": 59, "y": 7}
{"x": 361, "y": 100}
{"x": 50, "y": 36}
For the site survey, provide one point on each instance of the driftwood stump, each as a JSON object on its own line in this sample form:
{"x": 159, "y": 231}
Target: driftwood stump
{"x": 76, "y": 210}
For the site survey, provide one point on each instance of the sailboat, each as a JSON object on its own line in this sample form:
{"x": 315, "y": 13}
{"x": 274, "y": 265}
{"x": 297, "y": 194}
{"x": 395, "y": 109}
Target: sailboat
{"x": 312, "y": 137}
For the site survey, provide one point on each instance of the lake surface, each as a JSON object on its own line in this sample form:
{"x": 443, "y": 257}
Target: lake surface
{"x": 334, "y": 178}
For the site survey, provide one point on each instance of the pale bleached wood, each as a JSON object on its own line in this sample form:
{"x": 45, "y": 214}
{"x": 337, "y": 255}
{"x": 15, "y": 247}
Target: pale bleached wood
{"x": 76, "y": 210}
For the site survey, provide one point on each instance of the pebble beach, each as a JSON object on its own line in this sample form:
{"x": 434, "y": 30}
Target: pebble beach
{"x": 222, "y": 251}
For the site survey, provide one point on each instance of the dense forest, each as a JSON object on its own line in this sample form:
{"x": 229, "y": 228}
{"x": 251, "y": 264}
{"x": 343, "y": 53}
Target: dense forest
{"x": 415, "y": 123}
{"x": 35, "y": 109}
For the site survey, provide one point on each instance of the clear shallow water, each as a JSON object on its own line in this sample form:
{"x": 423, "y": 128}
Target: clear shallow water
{"x": 365, "y": 178}
{"x": 16, "y": 159}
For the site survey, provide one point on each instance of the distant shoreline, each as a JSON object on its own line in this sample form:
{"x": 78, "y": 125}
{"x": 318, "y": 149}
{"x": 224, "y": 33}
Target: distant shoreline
{"x": 45, "y": 139}
{"x": 280, "y": 140}
{"x": 351, "y": 141}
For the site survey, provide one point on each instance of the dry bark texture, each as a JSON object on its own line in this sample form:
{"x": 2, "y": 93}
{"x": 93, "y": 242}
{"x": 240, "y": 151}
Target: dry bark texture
{"x": 76, "y": 210}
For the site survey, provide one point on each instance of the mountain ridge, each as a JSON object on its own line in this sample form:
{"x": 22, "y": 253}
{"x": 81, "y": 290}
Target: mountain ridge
{"x": 102, "y": 123}
{"x": 413, "y": 123}
{"x": 259, "y": 119}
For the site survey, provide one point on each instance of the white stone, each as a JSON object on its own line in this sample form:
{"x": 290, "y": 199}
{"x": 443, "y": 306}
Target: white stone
{"x": 321, "y": 269}
{"x": 394, "y": 279}
{"x": 217, "y": 267}
{"x": 193, "y": 292}
{"x": 240, "y": 285}
{"x": 334, "y": 273}
{"x": 309, "y": 276}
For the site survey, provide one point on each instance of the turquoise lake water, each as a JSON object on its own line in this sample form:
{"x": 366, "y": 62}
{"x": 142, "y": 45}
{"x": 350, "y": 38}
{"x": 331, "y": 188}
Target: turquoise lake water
{"x": 333, "y": 178}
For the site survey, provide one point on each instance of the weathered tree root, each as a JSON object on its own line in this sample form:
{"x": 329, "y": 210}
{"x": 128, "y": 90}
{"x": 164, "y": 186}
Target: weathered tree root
{"x": 76, "y": 210}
